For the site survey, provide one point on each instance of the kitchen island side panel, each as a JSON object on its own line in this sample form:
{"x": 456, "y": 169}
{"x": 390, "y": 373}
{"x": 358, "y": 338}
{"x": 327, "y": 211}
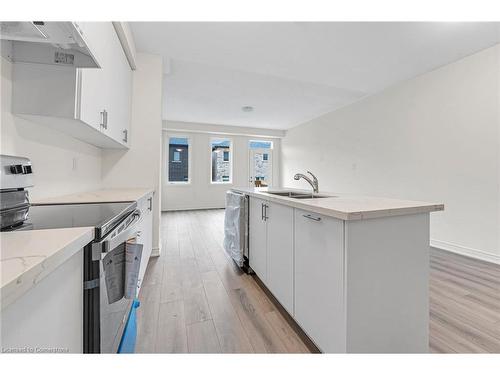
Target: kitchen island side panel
{"x": 49, "y": 317}
{"x": 387, "y": 284}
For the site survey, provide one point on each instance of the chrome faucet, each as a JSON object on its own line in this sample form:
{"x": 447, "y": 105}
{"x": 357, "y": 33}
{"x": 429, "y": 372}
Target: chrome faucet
{"x": 313, "y": 182}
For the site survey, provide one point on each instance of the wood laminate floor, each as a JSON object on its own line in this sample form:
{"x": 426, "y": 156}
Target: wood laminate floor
{"x": 195, "y": 300}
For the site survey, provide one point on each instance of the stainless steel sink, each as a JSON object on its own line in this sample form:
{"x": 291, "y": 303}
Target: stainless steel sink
{"x": 297, "y": 195}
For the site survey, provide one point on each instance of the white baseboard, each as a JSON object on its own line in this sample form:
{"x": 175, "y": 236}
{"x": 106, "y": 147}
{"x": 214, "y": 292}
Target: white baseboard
{"x": 467, "y": 251}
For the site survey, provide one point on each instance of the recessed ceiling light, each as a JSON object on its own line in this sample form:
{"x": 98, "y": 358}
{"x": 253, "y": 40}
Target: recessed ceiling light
{"x": 247, "y": 108}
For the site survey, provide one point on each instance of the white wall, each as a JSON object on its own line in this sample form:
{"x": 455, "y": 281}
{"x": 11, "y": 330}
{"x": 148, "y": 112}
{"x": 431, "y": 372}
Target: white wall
{"x": 433, "y": 138}
{"x": 51, "y": 152}
{"x": 140, "y": 166}
{"x": 200, "y": 192}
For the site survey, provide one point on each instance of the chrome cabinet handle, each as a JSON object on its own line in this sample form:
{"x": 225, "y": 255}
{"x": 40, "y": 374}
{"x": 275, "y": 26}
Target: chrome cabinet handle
{"x": 150, "y": 208}
{"x": 263, "y": 211}
{"x": 309, "y": 216}
{"x": 125, "y": 135}
{"x": 104, "y": 119}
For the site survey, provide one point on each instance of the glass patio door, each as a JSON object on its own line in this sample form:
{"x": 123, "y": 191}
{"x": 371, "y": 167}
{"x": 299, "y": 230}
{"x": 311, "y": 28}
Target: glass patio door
{"x": 261, "y": 167}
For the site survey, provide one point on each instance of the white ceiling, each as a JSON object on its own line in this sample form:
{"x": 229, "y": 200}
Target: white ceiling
{"x": 292, "y": 72}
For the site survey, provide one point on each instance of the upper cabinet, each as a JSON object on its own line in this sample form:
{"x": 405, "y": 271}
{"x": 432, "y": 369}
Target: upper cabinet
{"x": 92, "y": 105}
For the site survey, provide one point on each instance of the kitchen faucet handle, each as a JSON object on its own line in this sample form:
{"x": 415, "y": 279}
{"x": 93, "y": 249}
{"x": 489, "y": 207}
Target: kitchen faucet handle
{"x": 315, "y": 182}
{"x": 313, "y": 176}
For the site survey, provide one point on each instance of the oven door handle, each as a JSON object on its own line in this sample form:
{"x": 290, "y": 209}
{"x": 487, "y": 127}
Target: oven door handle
{"x": 110, "y": 243}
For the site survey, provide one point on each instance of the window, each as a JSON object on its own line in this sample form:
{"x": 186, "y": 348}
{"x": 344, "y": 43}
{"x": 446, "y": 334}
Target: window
{"x": 260, "y": 144}
{"x": 221, "y": 160}
{"x": 178, "y": 159}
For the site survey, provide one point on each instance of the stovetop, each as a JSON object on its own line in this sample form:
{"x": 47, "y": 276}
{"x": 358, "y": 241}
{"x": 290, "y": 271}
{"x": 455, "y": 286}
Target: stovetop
{"x": 102, "y": 216}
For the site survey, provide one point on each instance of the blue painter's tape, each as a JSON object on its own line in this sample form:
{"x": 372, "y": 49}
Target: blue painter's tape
{"x": 127, "y": 344}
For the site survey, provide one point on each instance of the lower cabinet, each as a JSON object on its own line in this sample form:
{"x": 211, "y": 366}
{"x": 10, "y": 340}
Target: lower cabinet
{"x": 258, "y": 238}
{"x": 280, "y": 253}
{"x": 299, "y": 256}
{"x": 271, "y": 248}
{"x": 319, "y": 279}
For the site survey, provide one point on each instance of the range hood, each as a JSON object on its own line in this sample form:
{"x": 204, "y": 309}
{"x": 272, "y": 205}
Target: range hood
{"x": 55, "y": 43}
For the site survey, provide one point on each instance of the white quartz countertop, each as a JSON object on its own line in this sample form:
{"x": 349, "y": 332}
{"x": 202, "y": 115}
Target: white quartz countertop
{"x": 26, "y": 257}
{"x": 346, "y": 206}
{"x": 98, "y": 196}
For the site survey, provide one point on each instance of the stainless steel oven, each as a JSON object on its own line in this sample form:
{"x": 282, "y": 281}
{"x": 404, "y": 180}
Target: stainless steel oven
{"x": 104, "y": 322}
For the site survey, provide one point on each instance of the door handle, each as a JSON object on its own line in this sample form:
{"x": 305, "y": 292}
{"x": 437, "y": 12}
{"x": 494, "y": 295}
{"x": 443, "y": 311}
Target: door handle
{"x": 309, "y": 216}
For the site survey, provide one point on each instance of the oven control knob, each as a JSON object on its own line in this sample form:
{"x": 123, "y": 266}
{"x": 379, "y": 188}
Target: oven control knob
{"x": 27, "y": 169}
{"x": 16, "y": 169}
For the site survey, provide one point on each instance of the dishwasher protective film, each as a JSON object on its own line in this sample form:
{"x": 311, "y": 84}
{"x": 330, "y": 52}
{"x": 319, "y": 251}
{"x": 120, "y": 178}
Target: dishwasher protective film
{"x": 234, "y": 226}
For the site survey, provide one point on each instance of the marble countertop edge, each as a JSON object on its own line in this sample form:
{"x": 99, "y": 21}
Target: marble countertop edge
{"x": 27, "y": 257}
{"x": 97, "y": 196}
{"x": 346, "y": 206}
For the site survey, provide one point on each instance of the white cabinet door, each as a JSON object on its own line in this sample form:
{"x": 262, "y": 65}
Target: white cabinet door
{"x": 105, "y": 94}
{"x": 94, "y": 84}
{"x": 319, "y": 279}
{"x": 280, "y": 253}
{"x": 120, "y": 87}
{"x": 258, "y": 238}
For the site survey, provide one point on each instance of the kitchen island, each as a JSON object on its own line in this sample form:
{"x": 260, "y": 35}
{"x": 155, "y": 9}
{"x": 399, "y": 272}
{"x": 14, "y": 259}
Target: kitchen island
{"x": 352, "y": 271}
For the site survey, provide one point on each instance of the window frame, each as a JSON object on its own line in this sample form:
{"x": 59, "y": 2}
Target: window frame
{"x": 231, "y": 148}
{"x": 189, "y": 149}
